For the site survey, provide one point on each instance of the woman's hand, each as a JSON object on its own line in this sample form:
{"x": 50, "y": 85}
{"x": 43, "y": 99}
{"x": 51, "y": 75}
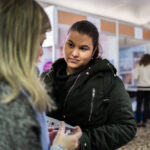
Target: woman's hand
{"x": 71, "y": 141}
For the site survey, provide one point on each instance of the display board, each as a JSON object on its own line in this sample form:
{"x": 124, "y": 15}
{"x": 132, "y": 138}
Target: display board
{"x": 128, "y": 59}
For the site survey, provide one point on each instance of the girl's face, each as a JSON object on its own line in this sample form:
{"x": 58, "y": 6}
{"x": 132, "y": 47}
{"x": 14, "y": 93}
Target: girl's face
{"x": 78, "y": 50}
{"x": 40, "y": 49}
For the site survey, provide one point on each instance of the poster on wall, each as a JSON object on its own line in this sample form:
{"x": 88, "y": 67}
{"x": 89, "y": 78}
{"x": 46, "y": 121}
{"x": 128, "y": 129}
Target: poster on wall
{"x": 129, "y": 58}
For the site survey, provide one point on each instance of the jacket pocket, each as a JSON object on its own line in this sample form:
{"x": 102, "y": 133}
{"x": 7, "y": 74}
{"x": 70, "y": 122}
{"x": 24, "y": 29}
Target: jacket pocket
{"x": 92, "y": 103}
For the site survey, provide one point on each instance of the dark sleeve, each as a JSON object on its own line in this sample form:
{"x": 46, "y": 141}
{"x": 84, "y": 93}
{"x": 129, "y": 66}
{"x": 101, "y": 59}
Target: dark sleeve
{"x": 19, "y": 129}
{"x": 47, "y": 78}
{"x": 43, "y": 75}
{"x": 120, "y": 127}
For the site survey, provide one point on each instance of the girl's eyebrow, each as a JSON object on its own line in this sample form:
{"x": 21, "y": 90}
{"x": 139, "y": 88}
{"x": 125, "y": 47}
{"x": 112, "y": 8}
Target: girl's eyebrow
{"x": 85, "y": 46}
{"x": 70, "y": 41}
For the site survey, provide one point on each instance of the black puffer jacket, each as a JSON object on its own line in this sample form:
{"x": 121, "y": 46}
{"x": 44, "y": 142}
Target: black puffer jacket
{"x": 96, "y": 100}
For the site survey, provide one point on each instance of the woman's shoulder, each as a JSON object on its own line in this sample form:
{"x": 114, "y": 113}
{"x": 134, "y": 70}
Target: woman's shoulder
{"x": 18, "y": 119}
{"x": 18, "y": 110}
{"x": 147, "y": 67}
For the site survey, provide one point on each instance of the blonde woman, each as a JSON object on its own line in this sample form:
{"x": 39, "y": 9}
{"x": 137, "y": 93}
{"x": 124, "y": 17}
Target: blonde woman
{"x": 23, "y": 99}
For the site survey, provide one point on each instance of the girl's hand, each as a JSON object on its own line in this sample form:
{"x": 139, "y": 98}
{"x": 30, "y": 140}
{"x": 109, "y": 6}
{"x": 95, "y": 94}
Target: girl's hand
{"x": 52, "y": 134}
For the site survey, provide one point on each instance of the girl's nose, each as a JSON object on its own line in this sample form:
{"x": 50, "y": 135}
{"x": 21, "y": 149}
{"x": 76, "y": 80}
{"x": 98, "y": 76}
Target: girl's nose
{"x": 75, "y": 52}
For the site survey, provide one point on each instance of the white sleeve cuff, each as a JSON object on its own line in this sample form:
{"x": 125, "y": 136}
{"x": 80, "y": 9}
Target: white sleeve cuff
{"x": 57, "y": 147}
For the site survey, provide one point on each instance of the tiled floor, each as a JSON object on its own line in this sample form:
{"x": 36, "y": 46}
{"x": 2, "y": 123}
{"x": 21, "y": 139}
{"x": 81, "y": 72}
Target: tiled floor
{"x": 141, "y": 140}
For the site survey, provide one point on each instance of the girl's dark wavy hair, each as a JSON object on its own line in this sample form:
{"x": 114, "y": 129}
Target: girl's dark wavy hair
{"x": 145, "y": 60}
{"x": 86, "y": 27}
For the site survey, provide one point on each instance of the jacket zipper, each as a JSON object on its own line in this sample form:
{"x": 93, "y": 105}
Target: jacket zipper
{"x": 70, "y": 90}
{"x": 92, "y": 102}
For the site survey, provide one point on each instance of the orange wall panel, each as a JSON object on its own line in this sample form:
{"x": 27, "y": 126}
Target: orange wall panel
{"x": 126, "y": 30}
{"x": 146, "y": 34}
{"x": 107, "y": 26}
{"x": 69, "y": 18}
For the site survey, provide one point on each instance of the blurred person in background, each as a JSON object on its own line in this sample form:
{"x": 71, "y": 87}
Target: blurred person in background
{"x": 23, "y": 98}
{"x": 142, "y": 75}
{"x": 88, "y": 93}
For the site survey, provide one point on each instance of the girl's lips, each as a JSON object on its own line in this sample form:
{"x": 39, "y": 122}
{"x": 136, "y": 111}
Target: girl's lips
{"x": 73, "y": 60}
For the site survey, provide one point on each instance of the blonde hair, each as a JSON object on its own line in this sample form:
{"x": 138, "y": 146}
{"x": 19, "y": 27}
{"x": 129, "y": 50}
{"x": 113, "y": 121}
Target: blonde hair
{"x": 21, "y": 24}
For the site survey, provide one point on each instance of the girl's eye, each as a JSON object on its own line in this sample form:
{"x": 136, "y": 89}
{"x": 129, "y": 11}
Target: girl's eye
{"x": 83, "y": 48}
{"x": 71, "y": 45}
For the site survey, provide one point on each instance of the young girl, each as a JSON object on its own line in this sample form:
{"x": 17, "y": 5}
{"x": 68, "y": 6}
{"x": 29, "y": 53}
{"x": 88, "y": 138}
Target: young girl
{"x": 88, "y": 92}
